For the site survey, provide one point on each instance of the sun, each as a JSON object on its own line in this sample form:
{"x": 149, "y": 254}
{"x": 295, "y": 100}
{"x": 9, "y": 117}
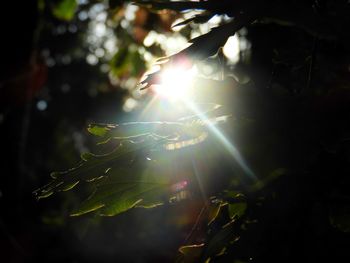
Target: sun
{"x": 175, "y": 83}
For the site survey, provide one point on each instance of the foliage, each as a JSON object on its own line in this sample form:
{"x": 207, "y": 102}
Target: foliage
{"x": 118, "y": 186}
{"x": 131, "y": 176}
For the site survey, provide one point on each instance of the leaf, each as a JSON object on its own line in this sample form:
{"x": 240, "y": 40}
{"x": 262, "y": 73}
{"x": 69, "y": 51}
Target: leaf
{"x": 118, "y": 189}
{"x": 146, "y": 135}
{"x": 87, "y": 156}
{"x": 93, "y": 166}
{"x": 120, "y": 62}
{"x": 218, "y": 243}
{"x": 138, "y": 64}
{"x": 274, "y": 175}
{"x": 97, "y": 130}
{"x": 191, "y": 253}
{"x": 198, "y": 19}
{"x": 214, "y": 210}
{"x": 124, "y": 189}
{"x": 65, "y": 9}
{"x": 236, "y": 210}
{"x": 230, "y": 7}
{"x": 201, "y": 48}
{"x": 173, "y": 131}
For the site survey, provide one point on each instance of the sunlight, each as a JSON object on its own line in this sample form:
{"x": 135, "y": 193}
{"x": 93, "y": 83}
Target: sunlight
{"x": 175, "y": 84}
{"x": 221, "y": 137}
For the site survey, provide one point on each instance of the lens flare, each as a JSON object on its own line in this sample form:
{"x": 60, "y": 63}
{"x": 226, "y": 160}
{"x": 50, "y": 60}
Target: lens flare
{"x": 233, "y": 151}
{"x": 176, "y": 83}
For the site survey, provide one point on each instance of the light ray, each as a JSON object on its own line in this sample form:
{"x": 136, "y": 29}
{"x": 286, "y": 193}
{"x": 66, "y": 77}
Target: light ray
{"x": 225, "y": 142}
{"x": 175, "y": 85}
{"x": 148, "y": 107}
{"x": 199, "y": 181}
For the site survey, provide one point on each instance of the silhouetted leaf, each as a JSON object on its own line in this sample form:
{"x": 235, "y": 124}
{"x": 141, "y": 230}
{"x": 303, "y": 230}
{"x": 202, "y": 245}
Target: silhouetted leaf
{"x": 201, "y": 48}
{"x": 191, "y": 253}
{"x": 199, "y": 19}
{"x": 274, "y": 175}
{"x": 229, "y": 7}
{"x": 218, "y": 243}
{"x": 214, "y": 210}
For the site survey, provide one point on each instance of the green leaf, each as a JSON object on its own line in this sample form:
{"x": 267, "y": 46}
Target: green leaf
{"x": 236, "y": 210}
{"x": 65, "y": 9}
{"x": 125, "y": 188}
{"x": 120, "y": 62}
{"x": 118, "y": 189}
{"x": 93, "y": 167}
{"x": 98, "y": 130}
{"x": 139, "y": 130}
{"x": 146, "y": 135}
{"x": 138, "y": 65}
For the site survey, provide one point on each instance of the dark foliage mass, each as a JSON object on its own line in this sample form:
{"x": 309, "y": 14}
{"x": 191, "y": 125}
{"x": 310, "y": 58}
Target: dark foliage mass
{"x": 169, "y": 189}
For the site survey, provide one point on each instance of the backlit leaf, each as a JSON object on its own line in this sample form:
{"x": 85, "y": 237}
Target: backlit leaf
{"x": 92, "y": 167}
{"x": 125, "y": 188}
{"x": 237, "y": 209}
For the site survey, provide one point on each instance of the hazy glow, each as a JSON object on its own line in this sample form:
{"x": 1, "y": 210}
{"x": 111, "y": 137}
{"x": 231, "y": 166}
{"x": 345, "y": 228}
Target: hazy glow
{"x": 225, "y": 142}
{"x": 129, "y": 104}
{"x": 175, "y": 83}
